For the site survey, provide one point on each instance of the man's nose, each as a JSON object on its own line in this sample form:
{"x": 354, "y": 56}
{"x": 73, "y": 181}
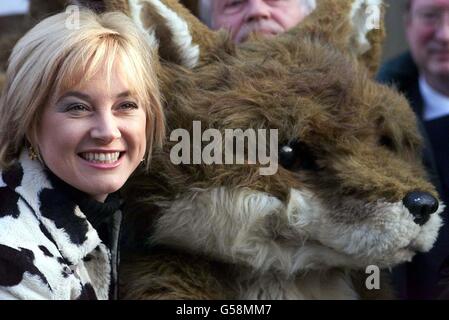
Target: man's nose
{"x": 257, "y": 10}
{"x": 105, "y": 129}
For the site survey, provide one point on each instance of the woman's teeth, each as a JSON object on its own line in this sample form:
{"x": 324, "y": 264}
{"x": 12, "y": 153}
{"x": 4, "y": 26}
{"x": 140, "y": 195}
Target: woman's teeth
{"x": 110, "y": 157}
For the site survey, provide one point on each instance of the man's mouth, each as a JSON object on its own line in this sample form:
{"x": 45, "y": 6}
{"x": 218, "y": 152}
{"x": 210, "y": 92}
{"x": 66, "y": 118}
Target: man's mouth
{"x": 265, "y": 31}
{"x": 442, "y": 53}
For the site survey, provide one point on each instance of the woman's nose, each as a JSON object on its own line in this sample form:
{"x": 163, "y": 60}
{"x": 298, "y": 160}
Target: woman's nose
{"x": 105, "y": 128}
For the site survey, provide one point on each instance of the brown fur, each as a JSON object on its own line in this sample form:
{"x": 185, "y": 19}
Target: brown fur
{"x": 173, "y": 276}
{"x": 192, "y": 5}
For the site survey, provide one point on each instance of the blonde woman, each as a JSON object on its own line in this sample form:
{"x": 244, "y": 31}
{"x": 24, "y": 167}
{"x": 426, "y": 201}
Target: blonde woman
{"x": 79, "y": 113}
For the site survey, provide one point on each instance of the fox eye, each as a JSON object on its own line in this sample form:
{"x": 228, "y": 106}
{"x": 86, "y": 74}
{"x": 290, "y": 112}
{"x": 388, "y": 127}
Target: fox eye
{"x": 296, "y": 156}
{"x": 387, "y": 142}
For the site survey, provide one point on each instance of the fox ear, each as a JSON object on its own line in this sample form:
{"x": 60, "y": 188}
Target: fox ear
{"x": 182, "y": 38}
{"x": 354, "y": 26}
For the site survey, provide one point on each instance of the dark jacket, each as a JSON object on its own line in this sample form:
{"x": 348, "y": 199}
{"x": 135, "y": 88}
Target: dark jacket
{"x": 48, "y": 249}
{"x": 418, "y": 279}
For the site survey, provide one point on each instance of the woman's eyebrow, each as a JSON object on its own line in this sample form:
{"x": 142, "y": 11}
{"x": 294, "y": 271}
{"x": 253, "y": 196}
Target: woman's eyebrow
{"x": 86, "y": 97}
{"x": 76, "y": 94}
{"x": 126, "y": 93}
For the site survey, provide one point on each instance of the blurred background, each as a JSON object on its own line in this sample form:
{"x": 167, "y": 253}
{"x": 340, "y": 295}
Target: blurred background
{"x": 13, "y": 17}
{"x": 395, "y": 42}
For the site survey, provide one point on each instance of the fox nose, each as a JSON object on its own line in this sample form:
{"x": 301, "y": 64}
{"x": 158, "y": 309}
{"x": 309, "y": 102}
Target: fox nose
{"x": 421, "y": 205}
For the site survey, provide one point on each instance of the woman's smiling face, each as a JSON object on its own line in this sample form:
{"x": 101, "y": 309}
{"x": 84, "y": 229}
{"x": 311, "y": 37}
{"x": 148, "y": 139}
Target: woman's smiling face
{"x": 93, "y": 136}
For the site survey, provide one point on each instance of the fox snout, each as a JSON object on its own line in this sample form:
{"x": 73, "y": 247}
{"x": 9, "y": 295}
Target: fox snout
{"x": 421, "y": 205}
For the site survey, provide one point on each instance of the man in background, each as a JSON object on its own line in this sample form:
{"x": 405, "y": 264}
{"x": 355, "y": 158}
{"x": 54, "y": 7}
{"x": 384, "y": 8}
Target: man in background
{"x": 243, "y": 17}
{"x": 423, "y": 76}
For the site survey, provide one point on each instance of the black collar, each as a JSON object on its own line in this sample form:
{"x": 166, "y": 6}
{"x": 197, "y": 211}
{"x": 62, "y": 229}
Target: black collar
{"x": 96, "y": 212}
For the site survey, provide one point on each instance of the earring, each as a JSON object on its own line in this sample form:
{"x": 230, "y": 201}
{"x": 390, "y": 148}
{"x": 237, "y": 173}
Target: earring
{"x": 32, "y": 153}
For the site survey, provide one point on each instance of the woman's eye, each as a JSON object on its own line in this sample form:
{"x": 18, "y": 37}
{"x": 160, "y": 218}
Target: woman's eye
{"x": 77, "y": 107}
{"x": 387, "y": 142}
{"x": 128, "y": 106}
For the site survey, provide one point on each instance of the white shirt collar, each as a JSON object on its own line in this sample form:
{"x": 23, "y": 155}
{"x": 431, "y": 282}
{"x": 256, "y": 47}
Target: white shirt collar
{"x": 436, "y": 105}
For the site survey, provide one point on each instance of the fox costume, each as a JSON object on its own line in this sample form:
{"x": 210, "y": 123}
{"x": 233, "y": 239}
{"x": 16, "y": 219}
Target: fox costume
{"x": 349, "y": 165}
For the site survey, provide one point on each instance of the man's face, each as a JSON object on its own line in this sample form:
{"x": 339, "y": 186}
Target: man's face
{"x": 266, "y": 17}
{"x": 428, "y": 35}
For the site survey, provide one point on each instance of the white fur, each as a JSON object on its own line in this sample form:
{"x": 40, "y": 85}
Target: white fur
{"x": 26, "y": 230}
{"x": 310, "y": 5}
{"x": 135, "y": 9}
{"x": 362, "y": 14}
{"x": 385, "y": 237}
{"x": 190, "y": 53}
{"x": 256, "y": 230}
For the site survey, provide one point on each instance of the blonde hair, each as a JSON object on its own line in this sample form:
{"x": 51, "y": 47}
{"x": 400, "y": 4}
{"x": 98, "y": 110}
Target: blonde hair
{"x": 53, "y": 57}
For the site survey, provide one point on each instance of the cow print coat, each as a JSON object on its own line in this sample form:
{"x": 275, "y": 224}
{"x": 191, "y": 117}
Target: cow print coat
{"x": 48, "y": 249}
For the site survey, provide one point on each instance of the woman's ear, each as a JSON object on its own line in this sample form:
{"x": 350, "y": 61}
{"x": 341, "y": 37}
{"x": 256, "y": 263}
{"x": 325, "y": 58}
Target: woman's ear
{"x": 31, "y": 139}
{"x": 31, "y": 143}
{"x": 354, "y": 26}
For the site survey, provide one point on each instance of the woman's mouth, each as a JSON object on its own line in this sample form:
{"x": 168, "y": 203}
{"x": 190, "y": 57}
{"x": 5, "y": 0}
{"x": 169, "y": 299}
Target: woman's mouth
{"x": 101, "y": 157}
